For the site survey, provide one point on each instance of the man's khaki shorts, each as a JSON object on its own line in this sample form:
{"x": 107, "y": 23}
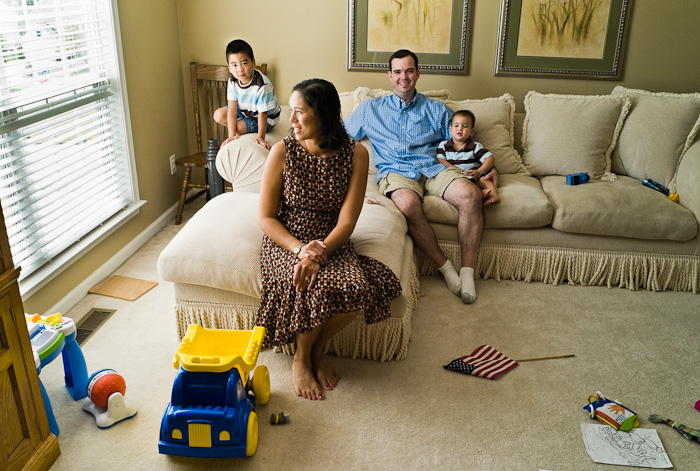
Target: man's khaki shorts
{"x": 435, "y": 186}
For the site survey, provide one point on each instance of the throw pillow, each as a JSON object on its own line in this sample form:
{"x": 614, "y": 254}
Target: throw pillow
{"x": 659, "y": 129}
{"x": 363, "y": 93}
{"x": 495, "y": 124}
{"x": 565, "y": 134}
{"x": 348, "y": 103}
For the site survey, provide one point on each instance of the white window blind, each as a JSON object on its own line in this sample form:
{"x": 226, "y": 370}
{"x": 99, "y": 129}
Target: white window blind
{"x": 65, "y": 166}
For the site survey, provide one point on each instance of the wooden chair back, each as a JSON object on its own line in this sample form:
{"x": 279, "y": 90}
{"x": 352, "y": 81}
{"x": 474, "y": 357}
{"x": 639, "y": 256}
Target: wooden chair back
{"x": 209, "y": 83}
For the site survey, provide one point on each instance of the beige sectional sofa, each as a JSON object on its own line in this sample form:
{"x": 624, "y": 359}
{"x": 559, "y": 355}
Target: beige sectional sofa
{"x": 611, "y": 231}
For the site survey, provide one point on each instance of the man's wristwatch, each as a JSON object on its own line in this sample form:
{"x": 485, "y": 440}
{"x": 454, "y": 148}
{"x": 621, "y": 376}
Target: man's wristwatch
{"x": 297, "y": 250}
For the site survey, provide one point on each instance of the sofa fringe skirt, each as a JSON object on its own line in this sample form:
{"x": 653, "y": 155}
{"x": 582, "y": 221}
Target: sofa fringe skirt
{"x": 654, "y": 272}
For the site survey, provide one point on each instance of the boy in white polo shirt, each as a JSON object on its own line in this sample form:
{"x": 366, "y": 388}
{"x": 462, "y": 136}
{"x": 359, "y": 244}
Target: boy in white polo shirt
{"x": 469, "y": 156}
{"x": 252, "y": 104}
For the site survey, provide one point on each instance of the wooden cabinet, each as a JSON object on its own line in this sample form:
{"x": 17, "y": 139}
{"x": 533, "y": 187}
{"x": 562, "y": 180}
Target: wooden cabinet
{"x": 25, "y": 440}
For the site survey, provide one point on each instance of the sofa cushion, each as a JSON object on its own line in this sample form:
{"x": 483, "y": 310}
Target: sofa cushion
{"x": 380, "y": 233}
{"x": 565, "y": 134}
{"x": 623, "y": 208}
{"x": 197, "y": 256}
{"x": 523, "y": 205}
{"x": 495, "y": 121}
{"x": 219, "y": 247}
{"x": 658, "y": 130}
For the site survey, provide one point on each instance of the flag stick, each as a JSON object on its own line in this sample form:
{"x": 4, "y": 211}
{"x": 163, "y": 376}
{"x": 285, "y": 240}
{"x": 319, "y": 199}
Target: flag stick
{"x": 547, "y": 358}
{"x": 541, "y": 358}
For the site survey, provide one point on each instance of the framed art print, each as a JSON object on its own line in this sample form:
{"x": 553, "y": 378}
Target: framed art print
{"x": 562, "y": 38}
{"x": 437, "y": 31}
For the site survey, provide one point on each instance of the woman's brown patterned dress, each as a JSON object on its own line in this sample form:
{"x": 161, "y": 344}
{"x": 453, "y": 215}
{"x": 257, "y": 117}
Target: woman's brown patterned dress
{"x": 313, "y": 192}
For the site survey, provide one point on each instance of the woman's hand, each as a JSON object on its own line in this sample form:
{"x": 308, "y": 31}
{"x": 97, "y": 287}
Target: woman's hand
{"x": 314, "y": 251}
{"x": 305, "y": 273}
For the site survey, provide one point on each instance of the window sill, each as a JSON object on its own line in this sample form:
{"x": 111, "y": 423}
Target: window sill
{"x": 40, "y": 278}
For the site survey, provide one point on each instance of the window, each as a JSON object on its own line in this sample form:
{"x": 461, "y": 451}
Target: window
{"x": 66, "y": 171}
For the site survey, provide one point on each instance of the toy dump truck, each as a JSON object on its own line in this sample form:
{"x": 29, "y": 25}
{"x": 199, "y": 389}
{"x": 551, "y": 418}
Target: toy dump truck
{"x": 212, "y": 408}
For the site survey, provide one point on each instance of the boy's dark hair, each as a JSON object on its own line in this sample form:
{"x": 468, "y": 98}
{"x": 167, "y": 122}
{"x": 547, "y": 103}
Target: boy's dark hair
{"x": 465, "y": 114}
{"x": 323, "y": 99}
{"x": 238, "y": 46}
{"x": 400, "y": 54}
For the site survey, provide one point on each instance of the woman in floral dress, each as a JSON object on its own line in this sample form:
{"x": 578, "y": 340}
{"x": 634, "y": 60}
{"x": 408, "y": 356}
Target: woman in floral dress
{"x": 314, "y": 283}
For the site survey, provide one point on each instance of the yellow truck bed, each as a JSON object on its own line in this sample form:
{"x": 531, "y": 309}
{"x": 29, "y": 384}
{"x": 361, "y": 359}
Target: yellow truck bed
{"x": 217, "y": 350}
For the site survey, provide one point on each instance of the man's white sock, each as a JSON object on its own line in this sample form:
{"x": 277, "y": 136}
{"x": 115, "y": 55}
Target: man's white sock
{"x": 466, "y": 275}
{"x": 451, "y": 278}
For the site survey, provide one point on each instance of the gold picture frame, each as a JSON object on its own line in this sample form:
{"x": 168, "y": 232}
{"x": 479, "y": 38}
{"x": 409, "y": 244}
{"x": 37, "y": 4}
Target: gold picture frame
{"x": 562, "y": 38}
{"x": 378, "y": 28}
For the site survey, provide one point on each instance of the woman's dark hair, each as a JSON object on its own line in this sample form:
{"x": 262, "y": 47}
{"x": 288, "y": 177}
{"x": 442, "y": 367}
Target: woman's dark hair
{"x": 322, "y": 97}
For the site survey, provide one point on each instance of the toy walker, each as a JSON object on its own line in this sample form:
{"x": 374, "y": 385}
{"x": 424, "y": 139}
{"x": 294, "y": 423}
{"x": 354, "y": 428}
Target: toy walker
{"x": 50, "y": 336}
{"x": 212, "y": 408}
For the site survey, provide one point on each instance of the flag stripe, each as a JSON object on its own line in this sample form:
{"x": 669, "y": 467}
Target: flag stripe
{"x": 494, "y": 365}
{"x": 491, "y": 372}
{"x": 504, "y": 367}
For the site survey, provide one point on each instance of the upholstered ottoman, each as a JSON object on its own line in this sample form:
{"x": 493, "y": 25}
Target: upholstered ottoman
{"x": 214, "y": 265}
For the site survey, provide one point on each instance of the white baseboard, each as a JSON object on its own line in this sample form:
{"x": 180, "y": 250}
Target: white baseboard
{"x": 80, "y": 291}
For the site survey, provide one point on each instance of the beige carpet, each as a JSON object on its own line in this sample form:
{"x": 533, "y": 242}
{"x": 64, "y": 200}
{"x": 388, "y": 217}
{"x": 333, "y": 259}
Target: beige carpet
{"x": 638, "y": 347}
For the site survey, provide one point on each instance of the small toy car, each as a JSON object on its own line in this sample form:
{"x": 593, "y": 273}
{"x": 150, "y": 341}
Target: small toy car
{"x": 212, "y": 408}
{"x": 577, "y": 178}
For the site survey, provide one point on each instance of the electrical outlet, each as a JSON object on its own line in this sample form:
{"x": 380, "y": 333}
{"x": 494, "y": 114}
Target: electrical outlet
{"x": 172, "y": 164}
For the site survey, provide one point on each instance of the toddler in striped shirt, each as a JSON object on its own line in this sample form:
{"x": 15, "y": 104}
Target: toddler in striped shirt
{"x": 469, "y": 156}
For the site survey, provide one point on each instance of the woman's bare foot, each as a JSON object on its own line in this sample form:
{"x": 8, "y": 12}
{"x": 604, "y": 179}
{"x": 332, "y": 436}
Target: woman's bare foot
{"x": 304, "y": 381}
{"x": 326, "y": 375}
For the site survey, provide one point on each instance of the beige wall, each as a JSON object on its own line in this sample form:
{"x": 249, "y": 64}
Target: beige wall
{"x": 151, "y": 46}
{"x": 307, "y": 38}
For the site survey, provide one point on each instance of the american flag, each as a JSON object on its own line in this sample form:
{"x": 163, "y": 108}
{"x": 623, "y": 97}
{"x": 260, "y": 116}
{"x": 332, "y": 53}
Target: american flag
{"x": 485, "y": 361}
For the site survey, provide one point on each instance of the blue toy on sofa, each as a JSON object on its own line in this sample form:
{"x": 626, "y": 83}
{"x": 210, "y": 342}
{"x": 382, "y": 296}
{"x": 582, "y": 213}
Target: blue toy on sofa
{"x": 212, "y": 408}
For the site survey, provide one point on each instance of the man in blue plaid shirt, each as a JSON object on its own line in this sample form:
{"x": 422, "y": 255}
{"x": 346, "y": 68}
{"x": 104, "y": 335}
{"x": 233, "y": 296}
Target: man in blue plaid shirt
{"x": 405, "y": 129}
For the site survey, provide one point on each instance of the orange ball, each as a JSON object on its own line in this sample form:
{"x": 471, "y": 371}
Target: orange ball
{"x": 103, "y": 384}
